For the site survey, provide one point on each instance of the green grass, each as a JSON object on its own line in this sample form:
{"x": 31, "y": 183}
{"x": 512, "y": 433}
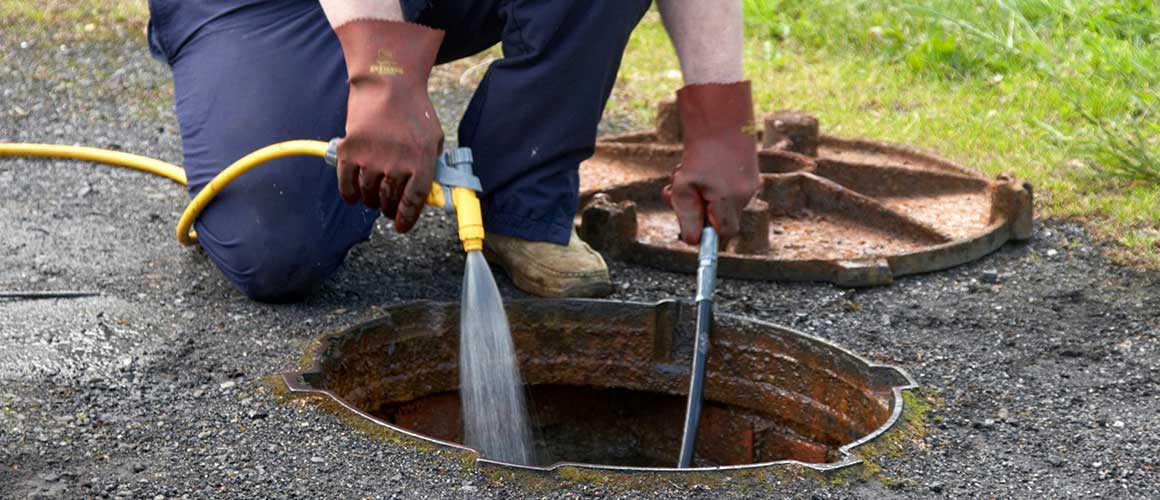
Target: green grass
{"x": 1061, "y": 93}
{"x": 72, "y": 19}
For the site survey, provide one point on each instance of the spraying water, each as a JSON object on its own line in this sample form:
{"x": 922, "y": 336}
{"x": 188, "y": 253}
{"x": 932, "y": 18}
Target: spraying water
{"x": 494, "y": 413}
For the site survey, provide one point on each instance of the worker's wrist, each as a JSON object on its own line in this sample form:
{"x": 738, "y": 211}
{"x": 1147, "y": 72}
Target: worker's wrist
{"x": 724, "y": 70}
{"x": 713, "y": 109}
{"x": 392, "y": 53}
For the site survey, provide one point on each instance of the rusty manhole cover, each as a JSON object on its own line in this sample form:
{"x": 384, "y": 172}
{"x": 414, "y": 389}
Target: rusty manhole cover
{"x": 853, "y": 212}
{"x": 607, "y": 381}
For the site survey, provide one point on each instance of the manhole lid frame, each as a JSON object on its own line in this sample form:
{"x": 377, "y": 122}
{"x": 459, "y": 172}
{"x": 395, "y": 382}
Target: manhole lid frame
{"x": 792, "y": 152}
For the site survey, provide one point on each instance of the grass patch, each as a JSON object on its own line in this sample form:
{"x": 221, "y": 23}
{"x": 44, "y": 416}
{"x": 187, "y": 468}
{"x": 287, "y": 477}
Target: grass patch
{"x": 1061, "y": 93}
{"x": 67, "y": 20}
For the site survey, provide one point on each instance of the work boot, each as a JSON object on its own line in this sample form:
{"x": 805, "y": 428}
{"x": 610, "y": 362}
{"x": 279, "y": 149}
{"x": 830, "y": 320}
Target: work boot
{"x": 550, "y": 270}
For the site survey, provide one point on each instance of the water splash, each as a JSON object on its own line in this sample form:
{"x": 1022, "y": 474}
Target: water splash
{"x": 495, "y": 416}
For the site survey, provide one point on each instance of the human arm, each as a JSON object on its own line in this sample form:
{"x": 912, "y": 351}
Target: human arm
{"x": 709, "y": 38}
{"x": 718, "y": 172}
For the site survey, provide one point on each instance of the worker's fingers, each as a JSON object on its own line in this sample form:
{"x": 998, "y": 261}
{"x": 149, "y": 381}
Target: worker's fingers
{"x": 411, "y": 204}
{"x": 392, "y": 189}
{"x": 369, "y": 182}
{"x": 348, "y": 174}
{"x": 686, "y": 202}
{"x": 418, "y": 187}
{"x": 725, "y": 217}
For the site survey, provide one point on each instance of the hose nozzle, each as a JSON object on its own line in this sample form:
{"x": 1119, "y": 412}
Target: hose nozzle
{"x": 453, "y": 190}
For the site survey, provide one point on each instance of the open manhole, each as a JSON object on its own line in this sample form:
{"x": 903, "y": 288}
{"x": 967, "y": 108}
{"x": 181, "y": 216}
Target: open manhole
{"x": 607, "y": 383}
{"x": 853, "y": 212}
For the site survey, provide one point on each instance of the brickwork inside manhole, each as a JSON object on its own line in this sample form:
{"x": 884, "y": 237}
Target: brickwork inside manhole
{"x": 607, "y": 381}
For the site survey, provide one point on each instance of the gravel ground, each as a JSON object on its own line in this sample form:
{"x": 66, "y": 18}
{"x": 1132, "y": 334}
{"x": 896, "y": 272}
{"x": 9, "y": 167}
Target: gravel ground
{"x": 1046, "y": 381}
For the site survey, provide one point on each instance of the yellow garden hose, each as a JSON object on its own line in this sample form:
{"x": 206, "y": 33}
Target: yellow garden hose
{"x": 272, "y": 152}
{"x": 463, "y": 199}
{"x": 143, "y": 163}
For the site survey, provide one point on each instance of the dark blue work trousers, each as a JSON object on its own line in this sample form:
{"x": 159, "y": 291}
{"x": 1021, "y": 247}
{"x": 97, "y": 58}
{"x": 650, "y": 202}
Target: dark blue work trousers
{"x": 249, "y": 73}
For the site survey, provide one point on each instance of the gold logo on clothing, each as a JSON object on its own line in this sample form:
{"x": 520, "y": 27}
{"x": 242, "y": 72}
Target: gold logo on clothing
{"x": 386, "y": 65}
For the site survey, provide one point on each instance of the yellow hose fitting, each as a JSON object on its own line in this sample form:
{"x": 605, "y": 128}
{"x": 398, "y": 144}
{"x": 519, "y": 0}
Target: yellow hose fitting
{"x": 453, "y": 190}
{"x": 436, "y": 197}
{"x": 455, "y": 170}
{"x": 470, "y": 218}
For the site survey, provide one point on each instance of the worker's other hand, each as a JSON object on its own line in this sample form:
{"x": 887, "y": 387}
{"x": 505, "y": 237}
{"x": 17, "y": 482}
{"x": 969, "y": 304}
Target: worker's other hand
{"x": 393, "y": 137}
{"x": 718, "y": 172}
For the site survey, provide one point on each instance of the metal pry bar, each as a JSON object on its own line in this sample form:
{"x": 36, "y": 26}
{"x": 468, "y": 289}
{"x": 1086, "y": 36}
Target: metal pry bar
{"x": 706, "y": 283}
{"x": 29, "y": 295}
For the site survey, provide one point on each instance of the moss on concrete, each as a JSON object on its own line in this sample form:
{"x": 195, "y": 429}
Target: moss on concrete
{"x": 906, "y": 437}
{"x": 544, "y": 482}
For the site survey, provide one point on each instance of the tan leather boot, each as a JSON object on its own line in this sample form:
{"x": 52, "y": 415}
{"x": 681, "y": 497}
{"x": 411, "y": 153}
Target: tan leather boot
{"x": 550, "y": 270}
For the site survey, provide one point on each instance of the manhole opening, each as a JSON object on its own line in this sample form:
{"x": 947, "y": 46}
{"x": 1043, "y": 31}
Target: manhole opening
{"x": 607, "y": 383}
{"x": 624, "y": 428}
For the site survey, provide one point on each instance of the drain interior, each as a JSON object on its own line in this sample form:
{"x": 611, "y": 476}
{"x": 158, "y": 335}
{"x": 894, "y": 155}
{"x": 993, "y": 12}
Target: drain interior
{"x": 623, "y": 427}
{"x": 607, "y": 382}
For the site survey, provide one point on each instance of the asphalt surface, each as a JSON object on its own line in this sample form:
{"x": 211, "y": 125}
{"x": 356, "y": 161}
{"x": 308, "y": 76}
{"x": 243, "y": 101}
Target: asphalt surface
{"x": 1045, "y": 382}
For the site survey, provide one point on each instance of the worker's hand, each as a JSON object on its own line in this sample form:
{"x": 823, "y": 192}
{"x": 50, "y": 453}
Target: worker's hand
{"x": 393, "y": 137}
{"x": 718, "y": 171}
{"x": 387, "y": 159}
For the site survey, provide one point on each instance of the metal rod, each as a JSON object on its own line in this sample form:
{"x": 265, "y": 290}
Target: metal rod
{"x": 72, "y": 294}
{"x": 706, "y": 282}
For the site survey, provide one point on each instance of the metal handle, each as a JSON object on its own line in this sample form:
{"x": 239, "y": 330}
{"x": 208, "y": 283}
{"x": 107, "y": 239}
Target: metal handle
{"x": 707, "y": 265}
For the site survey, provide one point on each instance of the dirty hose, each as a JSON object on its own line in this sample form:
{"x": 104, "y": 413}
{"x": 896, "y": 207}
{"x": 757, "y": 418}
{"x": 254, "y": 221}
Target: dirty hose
{"x": 706, "y": 282}
{"x": 454, "y": 179}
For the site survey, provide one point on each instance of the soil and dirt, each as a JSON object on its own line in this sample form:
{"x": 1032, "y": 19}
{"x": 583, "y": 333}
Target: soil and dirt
{"x": 1040, "y": 361}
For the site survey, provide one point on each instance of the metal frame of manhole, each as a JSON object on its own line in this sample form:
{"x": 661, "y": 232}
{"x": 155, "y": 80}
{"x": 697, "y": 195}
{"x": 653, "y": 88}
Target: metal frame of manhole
{"x": 854, "y": 212}
{"x": 385, "y": 335}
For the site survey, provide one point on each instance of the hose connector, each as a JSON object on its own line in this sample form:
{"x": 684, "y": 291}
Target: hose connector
{"x": 707, "y": 264}
{"x": 453, "y": 190}
{"x": 457, "y": 173}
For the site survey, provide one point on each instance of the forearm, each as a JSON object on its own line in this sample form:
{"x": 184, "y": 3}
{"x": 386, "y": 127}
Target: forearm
{"x": 339, "y": 12}
{"x": 709, "y": 38}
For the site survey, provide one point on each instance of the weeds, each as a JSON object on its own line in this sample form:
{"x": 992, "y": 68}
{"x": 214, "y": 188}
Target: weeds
{"x": 1126, "y": 150}
{"x": 1114, "y": 40}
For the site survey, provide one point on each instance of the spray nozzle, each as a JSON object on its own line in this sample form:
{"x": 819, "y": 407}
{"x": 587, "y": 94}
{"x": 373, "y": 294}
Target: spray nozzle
{"x": 454, "y": 190}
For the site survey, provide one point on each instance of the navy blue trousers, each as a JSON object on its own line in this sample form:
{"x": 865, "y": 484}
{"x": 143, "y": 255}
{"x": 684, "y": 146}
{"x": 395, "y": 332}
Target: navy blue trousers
{"x": 248, "y": 73}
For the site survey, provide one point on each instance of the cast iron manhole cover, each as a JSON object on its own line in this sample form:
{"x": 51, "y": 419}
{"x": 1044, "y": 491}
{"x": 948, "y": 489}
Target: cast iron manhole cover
{"x": 853, "y": 212}
{"x": 607, "y": 383}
